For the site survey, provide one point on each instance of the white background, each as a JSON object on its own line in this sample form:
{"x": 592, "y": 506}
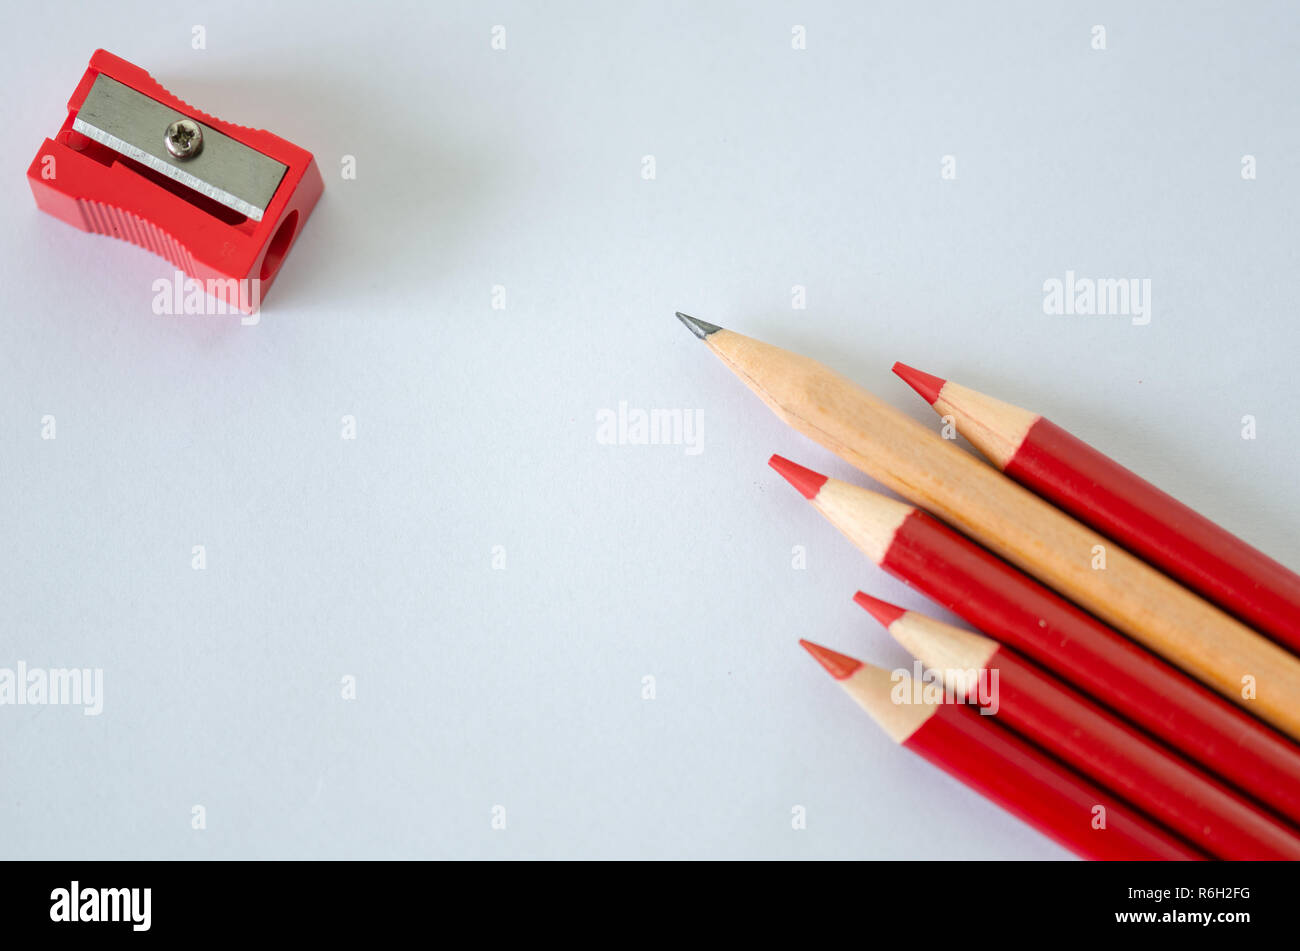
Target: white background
{"x": 476, "y": 427}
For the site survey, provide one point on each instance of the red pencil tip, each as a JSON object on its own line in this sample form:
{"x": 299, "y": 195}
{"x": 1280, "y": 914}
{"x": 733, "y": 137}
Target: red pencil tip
{"x": 882, "y": 611}
{"x": 924, "y": 383}
{"x": 839, "y": 666}
{"x": 808, "y": 483}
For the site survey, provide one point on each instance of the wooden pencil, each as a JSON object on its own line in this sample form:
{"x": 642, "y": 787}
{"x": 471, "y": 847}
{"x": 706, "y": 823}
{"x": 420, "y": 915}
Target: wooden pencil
{"x": 1013, "y": 522}
{"x": 1042, "y": 709}
{"x": 1099, "y": 491}
{"x": 1013, "y": 608}
{"x": 1002, "y": 767}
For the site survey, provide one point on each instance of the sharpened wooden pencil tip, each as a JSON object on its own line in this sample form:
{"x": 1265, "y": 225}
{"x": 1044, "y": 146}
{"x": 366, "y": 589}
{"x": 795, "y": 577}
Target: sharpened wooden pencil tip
{"x": 839, "y": 666}
{"x": 926, "y": 384}
{"x": 808, "y": 483}
{"x": 701, "y": 328}
{"x": 882, "y": 611}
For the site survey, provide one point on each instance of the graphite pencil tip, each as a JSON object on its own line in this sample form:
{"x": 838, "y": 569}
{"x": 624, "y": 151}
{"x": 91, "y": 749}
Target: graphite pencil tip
{"x": 925, "y": 384}
{"x": 701, "y": 328}
{"x": 808, "y": 483}
{"x": 882, "y": 611}
{"x": 839, "y": 666}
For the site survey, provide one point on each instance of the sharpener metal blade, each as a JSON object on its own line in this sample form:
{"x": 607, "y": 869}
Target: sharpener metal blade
{"x": 225, "y": 170}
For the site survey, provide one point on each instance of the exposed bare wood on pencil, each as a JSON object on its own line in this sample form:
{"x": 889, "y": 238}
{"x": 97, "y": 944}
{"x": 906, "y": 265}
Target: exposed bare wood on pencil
{"x": 941, "y": 646}
{"x": 994, "y": 428}
{"x": 870, "y": 521}
{"x": 872, "y": 688}
{"x": 871, "y": 527}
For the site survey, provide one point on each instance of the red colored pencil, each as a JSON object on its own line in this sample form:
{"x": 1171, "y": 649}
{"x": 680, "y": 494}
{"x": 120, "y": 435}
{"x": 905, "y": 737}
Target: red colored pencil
{"x": 1098, "y": 744}
{"x": 1003, "y": 768}
{"x": 1021, "y": 613}
{"x": 1100, "y": 492}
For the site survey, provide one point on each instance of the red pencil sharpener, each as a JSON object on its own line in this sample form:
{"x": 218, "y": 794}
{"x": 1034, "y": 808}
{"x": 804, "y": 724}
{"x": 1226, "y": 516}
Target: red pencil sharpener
{"x": 222, "y": 203}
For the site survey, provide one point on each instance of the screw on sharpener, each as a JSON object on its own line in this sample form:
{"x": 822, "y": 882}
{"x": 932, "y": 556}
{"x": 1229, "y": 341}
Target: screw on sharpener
{"x": 184, "y": 138}
{"x": 221, "y": 202}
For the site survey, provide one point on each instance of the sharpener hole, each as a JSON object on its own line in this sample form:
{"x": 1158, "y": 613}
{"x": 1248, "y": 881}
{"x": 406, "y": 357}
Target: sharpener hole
{"x": 278, "y": 246}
